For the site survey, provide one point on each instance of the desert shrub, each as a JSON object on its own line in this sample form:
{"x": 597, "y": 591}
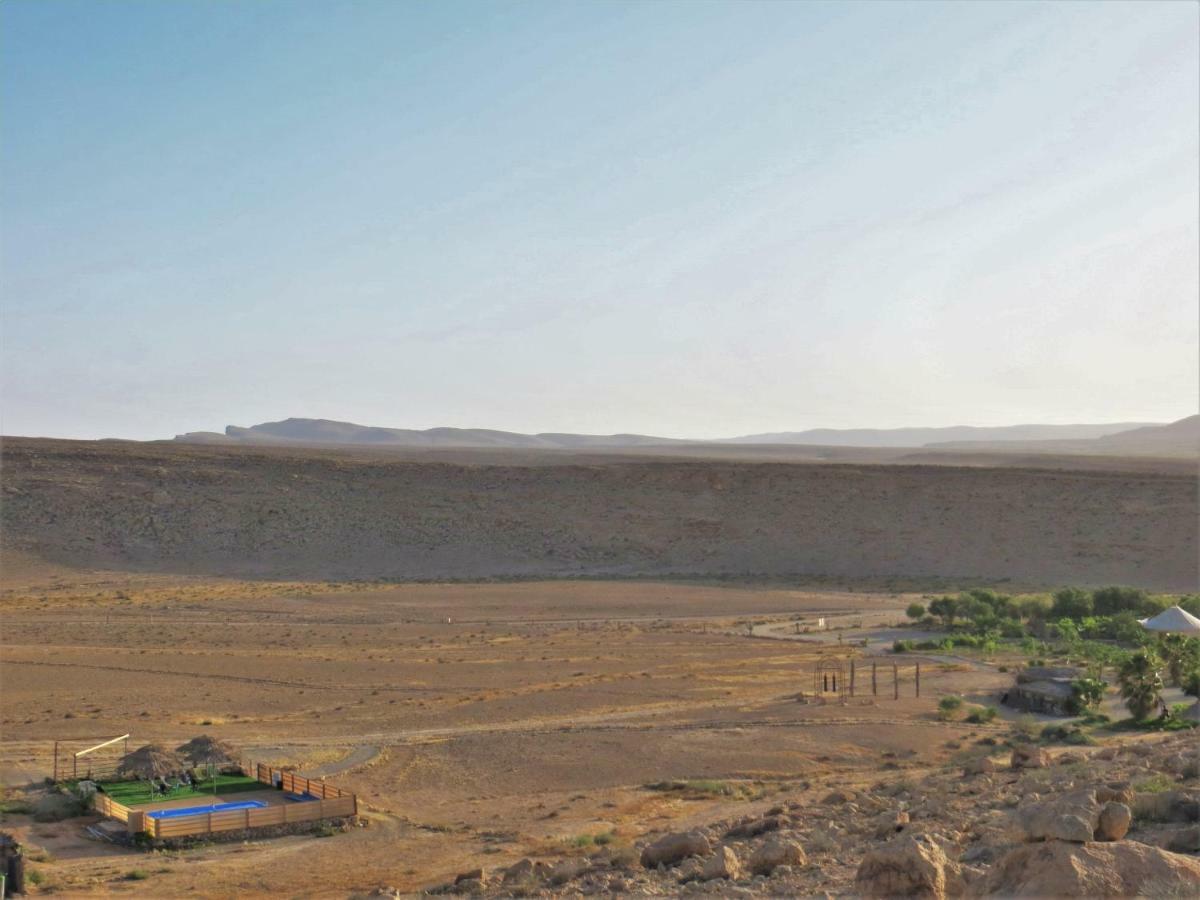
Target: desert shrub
{"x": 137, "y": 875}
{"x": 981, "y": 715}
{"x": 915, "y": 611}
{"x": 948, "y": 707}
{"x": 323, "y": 830}
{"x": 1155, "y": 784}
{"x": 902, "y": 646}
{"x": 56, "y": 806}
{"x": 1027, "y": 728}
{"x": 1086, "y": 694}
{"x": 1112, "y": 600}
{"x": 1065, "y": 734}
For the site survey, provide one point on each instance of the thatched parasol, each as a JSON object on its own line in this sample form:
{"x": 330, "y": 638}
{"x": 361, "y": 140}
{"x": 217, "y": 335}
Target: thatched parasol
{"x": 210, "y": 752}
{"x": 150, "y": 761}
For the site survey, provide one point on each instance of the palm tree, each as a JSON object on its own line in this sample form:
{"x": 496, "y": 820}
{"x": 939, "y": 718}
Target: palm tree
{"x": 1141, "y": 681}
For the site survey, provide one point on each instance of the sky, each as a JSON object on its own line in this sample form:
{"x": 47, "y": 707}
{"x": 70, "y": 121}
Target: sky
{"x": 686, "y": 219}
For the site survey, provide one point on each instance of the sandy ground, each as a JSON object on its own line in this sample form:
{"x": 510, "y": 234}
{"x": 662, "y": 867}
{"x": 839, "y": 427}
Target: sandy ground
{"x": 477, "y": 722}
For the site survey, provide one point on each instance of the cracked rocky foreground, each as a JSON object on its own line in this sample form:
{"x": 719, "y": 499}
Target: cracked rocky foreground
{"x": 1122, "y": 820}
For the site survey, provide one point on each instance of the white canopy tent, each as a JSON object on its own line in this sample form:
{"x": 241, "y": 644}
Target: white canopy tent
{"x": 1175, "y": 620}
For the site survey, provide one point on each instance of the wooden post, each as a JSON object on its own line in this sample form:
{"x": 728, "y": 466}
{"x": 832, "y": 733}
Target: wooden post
{"x": 247, "y": 811}
{"x": 895, "y": 682}
{"x": 56, "y": 760}
{"x": 918, "y": 679}
{"x": 210, "y": 823}
{"x": 874, "y": 682}
{"x": 851, "y": 678}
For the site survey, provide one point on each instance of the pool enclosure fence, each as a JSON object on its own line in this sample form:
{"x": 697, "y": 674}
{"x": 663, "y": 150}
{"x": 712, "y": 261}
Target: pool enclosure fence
{"x": 321, "y": 801}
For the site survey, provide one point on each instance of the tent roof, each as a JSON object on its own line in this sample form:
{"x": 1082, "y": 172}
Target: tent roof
{"x": 1174, "y": 619}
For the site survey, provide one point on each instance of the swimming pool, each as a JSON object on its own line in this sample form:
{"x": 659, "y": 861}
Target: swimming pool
{"x": 200, "y": 810}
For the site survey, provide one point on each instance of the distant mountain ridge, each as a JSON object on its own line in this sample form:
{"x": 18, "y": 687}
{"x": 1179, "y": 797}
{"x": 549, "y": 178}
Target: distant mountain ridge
{"x": 326, "y": 431}
{"x": 1118, "y": 437}
{"x": 921, "y": 437}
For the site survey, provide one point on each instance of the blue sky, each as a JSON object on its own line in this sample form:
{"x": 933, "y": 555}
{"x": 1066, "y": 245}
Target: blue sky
{"x": 692, "y": 219}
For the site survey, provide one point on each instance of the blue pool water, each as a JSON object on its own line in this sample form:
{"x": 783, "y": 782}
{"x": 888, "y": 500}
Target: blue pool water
{"x": 198, "y": 810}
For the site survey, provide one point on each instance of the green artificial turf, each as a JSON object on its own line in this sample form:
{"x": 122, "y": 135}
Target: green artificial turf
{"x": 134, "y": 793}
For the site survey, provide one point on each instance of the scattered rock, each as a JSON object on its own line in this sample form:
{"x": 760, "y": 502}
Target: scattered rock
{"x": 722, "y": 864}
{"x": 889, "y": 823}
{"x": 1185, "y": 840}
{"x": 1115, "y": 819}
{"x": 479, "y": 875}
{"x": 982, "y": 765}
{"x": 1029, "y": 756}
{"x": 672, "y": 848}
{"x": 1118, "y": 869}
{"x": 838, "y": 797}
{"x": 776, "y": 852}
{"x": 755, "y": 827}
{"x": 909, "y": 867}
{"x": 1073, "y": 817}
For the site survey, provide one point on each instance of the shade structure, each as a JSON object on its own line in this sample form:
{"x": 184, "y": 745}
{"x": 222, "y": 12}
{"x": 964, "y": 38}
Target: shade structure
{"x": 208, "y": 751}
{"x": 1174, "y": 620}
{"x": 151, "y": 761}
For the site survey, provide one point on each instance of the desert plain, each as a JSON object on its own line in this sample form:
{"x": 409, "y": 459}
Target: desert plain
{"x": 627, "y": 649}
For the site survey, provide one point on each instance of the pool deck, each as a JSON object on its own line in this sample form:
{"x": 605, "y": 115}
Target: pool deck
{"x": 268, "y": 796}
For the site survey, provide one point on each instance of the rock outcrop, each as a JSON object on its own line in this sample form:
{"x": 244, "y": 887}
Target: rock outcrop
{"x": 909, "y": 867}
{"x": 1121, "y": 869}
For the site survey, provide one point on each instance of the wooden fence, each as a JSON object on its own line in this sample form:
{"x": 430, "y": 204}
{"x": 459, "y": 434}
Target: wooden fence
{"x": 107, "y": 806}
{"x": 236, "y": 819}
{"x": 330, "y": 803}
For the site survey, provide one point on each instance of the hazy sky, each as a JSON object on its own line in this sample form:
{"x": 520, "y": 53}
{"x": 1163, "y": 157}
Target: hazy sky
{"x": 691, "y": 219}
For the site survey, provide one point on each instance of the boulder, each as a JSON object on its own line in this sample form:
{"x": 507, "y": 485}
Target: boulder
{"x": 981, "y": 765}
{"x": 889, "y": 823}
{"x": 1184, "y": 840}
{"x": 1115, "y": 819}
{"x": 1118, "y": 869}
{"x": 1118, "y": 791}
{"x": 1029, "y": 756}
{"x": 479, "y": 875}
{"x": 909, "y": 867}
{"x": 755, "y": 827}
{"x": 524, "y": 869}
{"x": 672, "y": 848}
{"x": 776, "y": 852}
{"x": 838, "y": 797}
{"x": 724, "y": 863}
{"x": 1072, "y": 817}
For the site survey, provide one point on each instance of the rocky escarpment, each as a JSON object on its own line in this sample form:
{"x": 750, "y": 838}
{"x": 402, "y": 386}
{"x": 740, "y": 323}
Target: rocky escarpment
{"x": 328, "y": 514}
{"x": 1115, "y": 822}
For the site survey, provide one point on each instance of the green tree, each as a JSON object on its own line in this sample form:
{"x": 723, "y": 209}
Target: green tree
{"x": 945, "y": 608}
{"x": 1141, "y": 684}
{"x": 915, "y": 611}
{"x": 1071, "y": 603}
{"x": 1181, "y": 654}
{"x": 1086, "y": 693}
{"x": 1111, "y": 600}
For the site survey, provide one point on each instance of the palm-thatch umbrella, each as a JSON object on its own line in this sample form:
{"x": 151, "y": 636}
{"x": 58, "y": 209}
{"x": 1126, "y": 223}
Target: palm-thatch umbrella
{"x": 150, "y": 761}
{"x": 210, "y": 752}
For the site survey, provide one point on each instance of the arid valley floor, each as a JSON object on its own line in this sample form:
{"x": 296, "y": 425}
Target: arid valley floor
{"x": 551, "y": 718}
